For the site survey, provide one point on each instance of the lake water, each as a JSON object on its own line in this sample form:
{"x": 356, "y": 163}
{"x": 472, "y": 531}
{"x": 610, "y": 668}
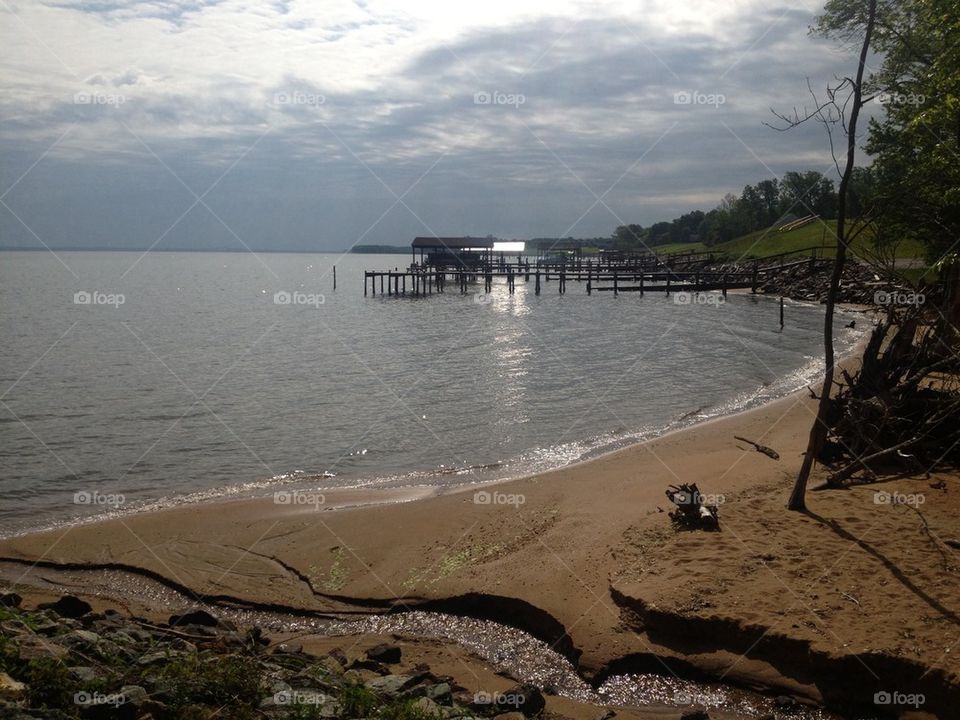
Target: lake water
{"x": 198, "y": 384}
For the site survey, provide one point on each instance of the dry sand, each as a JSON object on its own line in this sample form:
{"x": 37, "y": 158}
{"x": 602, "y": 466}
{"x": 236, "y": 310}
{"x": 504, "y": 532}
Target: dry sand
{"x": 850, "y": 599}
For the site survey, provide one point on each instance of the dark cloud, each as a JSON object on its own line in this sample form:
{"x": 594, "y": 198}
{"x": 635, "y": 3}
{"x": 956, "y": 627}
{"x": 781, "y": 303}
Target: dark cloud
{"x": 311, "y": 164}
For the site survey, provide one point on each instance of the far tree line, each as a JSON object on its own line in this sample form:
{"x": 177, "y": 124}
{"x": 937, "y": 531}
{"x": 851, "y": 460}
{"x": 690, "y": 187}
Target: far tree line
{"x": 758, "y": 207}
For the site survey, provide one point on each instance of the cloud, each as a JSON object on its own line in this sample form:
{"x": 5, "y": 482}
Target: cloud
{"x": 345, "y": 108}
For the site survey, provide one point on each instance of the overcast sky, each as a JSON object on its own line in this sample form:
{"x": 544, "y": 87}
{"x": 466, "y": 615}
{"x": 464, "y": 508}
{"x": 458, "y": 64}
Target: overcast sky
{"x": 317, "y": 125}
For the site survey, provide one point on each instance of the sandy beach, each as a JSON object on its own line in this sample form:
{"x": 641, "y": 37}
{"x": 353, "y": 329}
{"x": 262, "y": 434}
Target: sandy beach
{"x": 858, "y": 596}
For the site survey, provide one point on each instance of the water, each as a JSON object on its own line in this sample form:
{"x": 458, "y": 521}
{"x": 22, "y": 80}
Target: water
{"x": 198, "y": 384}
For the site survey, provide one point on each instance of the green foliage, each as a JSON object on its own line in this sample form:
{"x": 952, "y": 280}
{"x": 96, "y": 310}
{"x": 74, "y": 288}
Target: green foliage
{"x": 50, "y": 683}
{"x": 357, "y": 701}
{"x": 913, "y": 188}
{"x": 218, "y": 681}
{"x": 404, "y": 710}
{"x": 758, "y": 207}
{"x": 769, "y": 242}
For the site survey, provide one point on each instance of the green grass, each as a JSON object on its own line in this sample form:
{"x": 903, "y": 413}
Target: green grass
{"x": 679, "y": 247}
{"x": 765, "y": 243}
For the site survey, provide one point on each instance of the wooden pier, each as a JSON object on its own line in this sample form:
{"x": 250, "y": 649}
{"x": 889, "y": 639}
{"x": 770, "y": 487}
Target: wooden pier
{"x": 691, "y": 272}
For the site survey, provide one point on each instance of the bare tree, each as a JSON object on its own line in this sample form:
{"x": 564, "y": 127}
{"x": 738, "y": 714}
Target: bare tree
{"x": 843, "y": 105}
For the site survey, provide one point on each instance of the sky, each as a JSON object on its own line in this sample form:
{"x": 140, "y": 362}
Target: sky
{"x": 291, "y": 125}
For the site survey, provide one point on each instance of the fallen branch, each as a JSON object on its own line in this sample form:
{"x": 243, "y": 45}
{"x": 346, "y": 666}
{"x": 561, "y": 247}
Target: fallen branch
{"x": 769, "y": 452}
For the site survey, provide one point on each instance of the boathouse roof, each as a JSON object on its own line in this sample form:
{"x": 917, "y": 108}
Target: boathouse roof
{"x": 452, "y": 243}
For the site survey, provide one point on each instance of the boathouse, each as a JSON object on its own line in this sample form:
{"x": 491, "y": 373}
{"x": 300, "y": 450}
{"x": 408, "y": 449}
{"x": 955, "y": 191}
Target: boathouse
{"x": 469, "y": 253}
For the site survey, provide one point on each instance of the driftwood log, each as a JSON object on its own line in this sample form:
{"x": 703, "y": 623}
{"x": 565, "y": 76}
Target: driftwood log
{"x": 691, "y": 511}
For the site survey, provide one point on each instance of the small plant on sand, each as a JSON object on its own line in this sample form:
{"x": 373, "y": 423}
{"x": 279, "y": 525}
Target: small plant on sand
{"x": 335, "y": 578}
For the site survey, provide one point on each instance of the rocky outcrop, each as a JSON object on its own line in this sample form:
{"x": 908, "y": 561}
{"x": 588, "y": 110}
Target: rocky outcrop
{"x": 85, "y": 664}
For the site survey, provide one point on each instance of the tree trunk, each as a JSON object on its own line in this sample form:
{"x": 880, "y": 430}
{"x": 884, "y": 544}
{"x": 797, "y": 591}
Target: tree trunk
{"x": 818, "y": 432}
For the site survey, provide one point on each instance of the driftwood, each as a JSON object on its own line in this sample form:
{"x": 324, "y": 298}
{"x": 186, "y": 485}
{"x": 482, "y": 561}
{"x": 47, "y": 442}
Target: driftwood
{"x": 900, "y": 410}
{"x": 691, "y": 511}
{"x": 769, "y": 452}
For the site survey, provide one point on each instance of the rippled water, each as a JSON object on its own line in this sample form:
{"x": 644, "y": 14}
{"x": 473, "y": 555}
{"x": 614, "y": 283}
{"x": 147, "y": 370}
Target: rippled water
{"x": 199, "y": 384}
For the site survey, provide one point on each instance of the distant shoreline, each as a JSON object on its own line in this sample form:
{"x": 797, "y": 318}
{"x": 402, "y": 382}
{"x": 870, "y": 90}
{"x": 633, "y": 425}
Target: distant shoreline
{"x": 241, "y": 251}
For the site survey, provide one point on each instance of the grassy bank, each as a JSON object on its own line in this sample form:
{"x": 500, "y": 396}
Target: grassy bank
{"x": 768, "y": 242}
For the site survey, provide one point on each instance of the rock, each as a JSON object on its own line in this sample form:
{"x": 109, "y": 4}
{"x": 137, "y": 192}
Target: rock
{"x": 392, "y": 685}
{"x": 352, "y": 677}
{"x": 383, "y": 653}
{"x": 695, "y": 714}
{"x": 371, "y": 665}
{"x": 69, "y": 606}
{"x": 15, "y": 627}
{"x": 525, "y": 698}
{"x": 512, "y": 715}
{"x": 331, "y": 665}
{"x": 606, "y": 715}
{"x": 440, "y": 692}
{"x": 785, "y": 702}
{"x": 337, "y": 654}
{"x": 183, "y": 646}
{"x": 46, "y": 627}
{"x": 120, "y": 637}
{"x": 196, "y": 617}
{"x": 107, "y": 649}
{"x": 134, "y": 695}
{"x": 428, "y": 707}
{"x": 83, "y": 674}
{"x": 304, "y": 697}
{"x": 153, "y": 658}
{"x": 255, "y": 636}
{"x": 32, "y": 648}
{"x": 232, "y": 637}
{"x": 79, "y": 639}
{"x": 10, "y": 599}
{"x": 10, "y": 689}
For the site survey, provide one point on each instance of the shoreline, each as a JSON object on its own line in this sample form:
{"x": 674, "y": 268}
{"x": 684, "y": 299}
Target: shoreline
{"x": 260, "y": 490}
{"x": 589, "y": 563}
